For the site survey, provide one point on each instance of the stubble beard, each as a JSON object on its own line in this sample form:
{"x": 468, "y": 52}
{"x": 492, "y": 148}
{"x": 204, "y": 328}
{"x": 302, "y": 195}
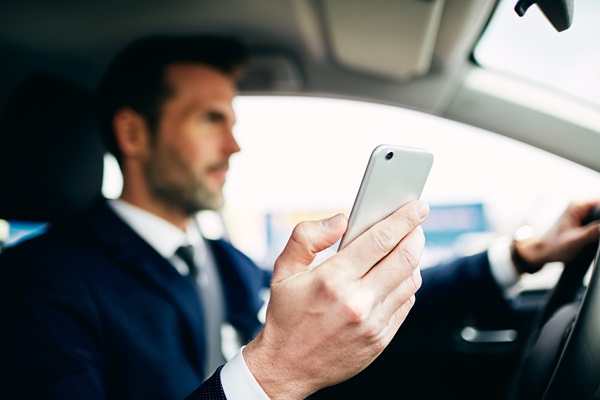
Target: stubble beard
{"x": 189, "y": 195}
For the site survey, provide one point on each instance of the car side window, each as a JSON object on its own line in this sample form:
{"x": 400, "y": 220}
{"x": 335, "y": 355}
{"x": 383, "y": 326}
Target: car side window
{"x": 303, "y": 158}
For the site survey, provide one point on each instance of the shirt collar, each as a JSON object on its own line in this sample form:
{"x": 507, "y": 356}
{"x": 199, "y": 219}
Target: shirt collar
{"x": 163, "y": 236}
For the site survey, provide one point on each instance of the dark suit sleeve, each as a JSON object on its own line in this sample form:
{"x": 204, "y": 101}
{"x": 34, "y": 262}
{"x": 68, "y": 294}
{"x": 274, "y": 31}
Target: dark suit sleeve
{"x": 463, "y": 286}
{"x": 211, "y": 389}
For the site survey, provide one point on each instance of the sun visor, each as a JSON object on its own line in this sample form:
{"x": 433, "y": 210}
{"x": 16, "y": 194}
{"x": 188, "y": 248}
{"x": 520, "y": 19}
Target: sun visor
{"x": 391, "y": 38}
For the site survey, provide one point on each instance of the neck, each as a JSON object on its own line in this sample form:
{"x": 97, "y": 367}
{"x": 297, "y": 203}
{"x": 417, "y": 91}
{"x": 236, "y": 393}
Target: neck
{"x": 158, "y": 208}
{"x": 137, "y": 192}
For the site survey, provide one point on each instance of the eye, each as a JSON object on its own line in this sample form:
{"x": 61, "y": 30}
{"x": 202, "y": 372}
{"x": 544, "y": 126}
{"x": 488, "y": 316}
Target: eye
{"x": 212, "y": 117}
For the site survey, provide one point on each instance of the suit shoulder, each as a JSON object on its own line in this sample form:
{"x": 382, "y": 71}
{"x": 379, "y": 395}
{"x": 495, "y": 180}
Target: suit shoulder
{"x": 58, "y": 248}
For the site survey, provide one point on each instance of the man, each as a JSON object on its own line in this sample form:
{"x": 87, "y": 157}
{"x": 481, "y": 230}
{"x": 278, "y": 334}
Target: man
{"x": 109, "y": 310}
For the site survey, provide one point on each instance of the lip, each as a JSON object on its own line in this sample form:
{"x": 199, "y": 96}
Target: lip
{"x": 219, "y": 173}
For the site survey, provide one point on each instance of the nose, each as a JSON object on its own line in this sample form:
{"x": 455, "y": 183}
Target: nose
{"x": 231, "y": 145}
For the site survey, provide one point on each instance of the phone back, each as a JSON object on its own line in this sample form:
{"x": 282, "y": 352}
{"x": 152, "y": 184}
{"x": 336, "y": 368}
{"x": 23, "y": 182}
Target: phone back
{"x": 395, "y": 175}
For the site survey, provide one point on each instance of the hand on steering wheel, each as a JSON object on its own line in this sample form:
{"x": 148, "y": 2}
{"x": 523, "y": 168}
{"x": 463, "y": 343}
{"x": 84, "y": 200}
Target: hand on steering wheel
{"x": 562, "y": 356}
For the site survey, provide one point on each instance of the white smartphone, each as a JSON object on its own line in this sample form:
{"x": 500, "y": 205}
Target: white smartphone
{"x": 395, "y": 175}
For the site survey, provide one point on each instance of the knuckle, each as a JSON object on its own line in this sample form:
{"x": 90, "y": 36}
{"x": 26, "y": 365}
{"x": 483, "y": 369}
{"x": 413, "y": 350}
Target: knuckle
{"x": 411, "y": 284}
{"x": 411, "y": 248}
{"x": 385, "y": 239}
{"x": 300, "y": 232}
{"x": 371, "y": 332}
{"x": 408, "y": 256}
{"x": 408, "y": 305}
{"x": 378, "y": 344}
{"x": 420, "y": 234}
{"x": 410, "y": 220}
{"x": 327, "y": 290}
{"x": 354, "y": 314}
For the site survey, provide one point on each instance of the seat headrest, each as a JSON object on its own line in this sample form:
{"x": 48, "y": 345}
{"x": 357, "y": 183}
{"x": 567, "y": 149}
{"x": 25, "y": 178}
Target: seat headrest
{"x": 51, "y": 154}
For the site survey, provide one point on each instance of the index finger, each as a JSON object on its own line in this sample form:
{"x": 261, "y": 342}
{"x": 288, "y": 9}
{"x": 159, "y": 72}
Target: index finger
{"x": 368, "y": 249}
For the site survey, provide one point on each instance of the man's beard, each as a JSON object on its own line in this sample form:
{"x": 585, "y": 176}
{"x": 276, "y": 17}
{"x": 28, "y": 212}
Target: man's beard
{"x": 189, "y": 195}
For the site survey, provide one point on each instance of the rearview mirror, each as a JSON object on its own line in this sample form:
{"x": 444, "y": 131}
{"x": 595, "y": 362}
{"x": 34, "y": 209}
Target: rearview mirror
{"x": 558, "y": 12}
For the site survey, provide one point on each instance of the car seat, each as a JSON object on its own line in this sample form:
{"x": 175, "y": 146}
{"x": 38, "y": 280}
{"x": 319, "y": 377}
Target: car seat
{"x": 51, "y": 155}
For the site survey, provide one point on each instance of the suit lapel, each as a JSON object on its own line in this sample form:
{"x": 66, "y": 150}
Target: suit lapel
{"x": 242, "y": 280}
{"x": 134, "y": 254}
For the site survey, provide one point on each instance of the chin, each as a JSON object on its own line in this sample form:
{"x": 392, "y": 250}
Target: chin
{"x": 215, "y": 203}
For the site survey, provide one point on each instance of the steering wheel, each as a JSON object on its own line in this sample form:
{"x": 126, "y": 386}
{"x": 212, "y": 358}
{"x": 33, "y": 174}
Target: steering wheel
{"x": 561, "y": 359}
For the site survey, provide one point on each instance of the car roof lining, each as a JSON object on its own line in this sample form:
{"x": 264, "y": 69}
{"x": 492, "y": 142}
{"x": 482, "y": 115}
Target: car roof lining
{"x": 290, "y": 53}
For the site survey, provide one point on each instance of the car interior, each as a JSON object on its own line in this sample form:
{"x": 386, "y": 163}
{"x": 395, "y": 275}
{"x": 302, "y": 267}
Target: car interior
{"x": 415, "y": 55}
{"x": 47, "y": 130}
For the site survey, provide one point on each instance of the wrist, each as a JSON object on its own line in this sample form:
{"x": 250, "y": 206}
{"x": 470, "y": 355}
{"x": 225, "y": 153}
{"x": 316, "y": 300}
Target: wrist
{"x": 276, "y": 382}
{"x": 526, "y": 255}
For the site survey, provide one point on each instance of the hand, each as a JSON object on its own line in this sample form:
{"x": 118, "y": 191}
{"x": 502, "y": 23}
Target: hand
{"x": 564, "y": 240}
{"x": 325, "y": 325}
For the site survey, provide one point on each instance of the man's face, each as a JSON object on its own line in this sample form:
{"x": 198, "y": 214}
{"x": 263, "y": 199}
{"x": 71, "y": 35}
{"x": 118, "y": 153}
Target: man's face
{"x": 190, "y": 154}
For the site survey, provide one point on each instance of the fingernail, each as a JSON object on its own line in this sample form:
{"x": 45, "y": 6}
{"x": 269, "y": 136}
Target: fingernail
{"x": 332, "y": 222}
{"x": 423, "y": 211}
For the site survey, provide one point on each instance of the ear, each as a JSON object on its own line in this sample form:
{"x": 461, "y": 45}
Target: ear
{"x": 131, "y": 133}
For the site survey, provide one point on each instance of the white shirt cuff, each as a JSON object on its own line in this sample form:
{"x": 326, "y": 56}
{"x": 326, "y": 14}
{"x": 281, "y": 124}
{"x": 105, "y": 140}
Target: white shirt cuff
{"x": 238, "y": 382}
{"x": 501, "y": 264}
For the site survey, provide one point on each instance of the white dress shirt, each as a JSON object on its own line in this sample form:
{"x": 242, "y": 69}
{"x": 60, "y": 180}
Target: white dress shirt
{"x": 503, "y": 269}
{"x": 237, "y": 380}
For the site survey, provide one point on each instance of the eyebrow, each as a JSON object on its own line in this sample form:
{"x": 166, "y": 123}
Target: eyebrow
{"x": 213, "y": 113}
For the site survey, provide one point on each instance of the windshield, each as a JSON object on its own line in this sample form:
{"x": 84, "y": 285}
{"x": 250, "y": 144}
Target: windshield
{"x": 530, "y": 48}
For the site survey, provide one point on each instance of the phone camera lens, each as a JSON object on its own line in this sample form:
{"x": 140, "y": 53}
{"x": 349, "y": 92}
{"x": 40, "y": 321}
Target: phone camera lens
{"x": 389, "y": 155}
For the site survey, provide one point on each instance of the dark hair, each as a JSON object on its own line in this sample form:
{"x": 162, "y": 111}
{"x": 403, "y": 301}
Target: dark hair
{"x": 135, "y": 78}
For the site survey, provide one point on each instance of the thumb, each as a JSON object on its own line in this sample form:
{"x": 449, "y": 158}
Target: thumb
{"x": 307, "y": 240}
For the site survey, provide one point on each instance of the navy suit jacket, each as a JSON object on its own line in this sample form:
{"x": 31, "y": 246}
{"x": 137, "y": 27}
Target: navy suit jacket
{"x": 91, "y": 311}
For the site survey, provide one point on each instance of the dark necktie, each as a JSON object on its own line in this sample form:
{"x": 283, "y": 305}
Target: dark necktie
{"x": 186, "y": 254}
{"x": 212, "y": 314}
